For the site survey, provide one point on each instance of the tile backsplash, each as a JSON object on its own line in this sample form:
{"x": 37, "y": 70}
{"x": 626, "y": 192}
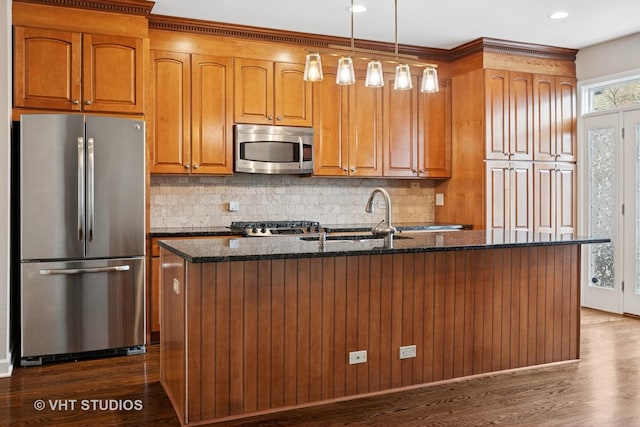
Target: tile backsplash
{"x": 183, "y": 201}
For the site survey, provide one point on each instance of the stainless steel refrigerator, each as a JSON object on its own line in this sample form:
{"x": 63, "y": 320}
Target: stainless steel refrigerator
{"x": 81, "y": 208}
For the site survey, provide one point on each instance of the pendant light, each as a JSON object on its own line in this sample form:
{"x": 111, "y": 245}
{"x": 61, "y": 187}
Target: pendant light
{"x": 402, "y": 80}
{"x": 430, "y": 80}
{"x": 374, "y": 77}
{"x": 313, "y": 68}
{"x": 346, "y": 75}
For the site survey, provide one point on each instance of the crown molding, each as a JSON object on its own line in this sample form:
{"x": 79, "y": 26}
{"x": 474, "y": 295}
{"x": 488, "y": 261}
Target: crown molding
{"x": 485, "y": 44}
{"x": 129, "y": 7}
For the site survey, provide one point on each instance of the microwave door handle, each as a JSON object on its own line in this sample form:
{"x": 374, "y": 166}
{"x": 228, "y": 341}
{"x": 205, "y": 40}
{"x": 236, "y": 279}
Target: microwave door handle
{"x": 301, "y": 151}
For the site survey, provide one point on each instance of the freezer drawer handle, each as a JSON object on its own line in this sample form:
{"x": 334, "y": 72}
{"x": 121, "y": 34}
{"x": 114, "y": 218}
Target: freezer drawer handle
{"x": 85, "y": 270}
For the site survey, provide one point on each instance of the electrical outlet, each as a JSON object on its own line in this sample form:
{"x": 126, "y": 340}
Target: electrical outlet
{"x": 439, "y": 199}
{"x": 357, "y": 357}
{"x": 234, "y": 206}
{"x": 415, "y": 185}
{"x": 407, "y": 351}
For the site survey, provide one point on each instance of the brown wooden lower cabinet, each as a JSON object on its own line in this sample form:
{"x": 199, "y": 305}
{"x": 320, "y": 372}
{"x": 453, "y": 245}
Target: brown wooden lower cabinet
{"x": 243, "y": 337}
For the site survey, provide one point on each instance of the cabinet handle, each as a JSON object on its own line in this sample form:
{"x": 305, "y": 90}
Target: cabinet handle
{"x": 345, "y": 170}
{"x": 75, "y": 102}
{"x": 270, "y": 117}
{"x": 279, "y": 118}
{"x": 187, "y": 166}
{"x": 353, "y": 170}
{"x": 196, "y": 166}
{"x": 87, "y": 102}
{"x": 421, "y": 170}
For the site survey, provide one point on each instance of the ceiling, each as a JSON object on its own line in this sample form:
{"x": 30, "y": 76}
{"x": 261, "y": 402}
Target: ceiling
{"x": 441, "y": 24}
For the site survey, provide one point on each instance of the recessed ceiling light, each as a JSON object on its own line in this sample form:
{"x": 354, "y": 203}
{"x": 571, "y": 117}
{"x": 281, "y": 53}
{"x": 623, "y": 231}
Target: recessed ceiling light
{"x": 561, "y": 14}
{"x": 357, "y": 8}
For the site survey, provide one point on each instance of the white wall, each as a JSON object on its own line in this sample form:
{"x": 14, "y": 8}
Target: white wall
{"x": 5, "y": 110}
{"x": 609, "y": 58}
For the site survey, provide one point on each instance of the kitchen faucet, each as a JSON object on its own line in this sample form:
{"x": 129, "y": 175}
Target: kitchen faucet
{"x": 380, "y": 230}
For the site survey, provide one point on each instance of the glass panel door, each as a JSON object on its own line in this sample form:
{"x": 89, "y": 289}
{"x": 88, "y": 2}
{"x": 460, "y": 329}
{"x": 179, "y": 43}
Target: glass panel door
{"x": 613, "y": 205}
{"x": 601, "y": 287}
{"x": 631, "y": 299}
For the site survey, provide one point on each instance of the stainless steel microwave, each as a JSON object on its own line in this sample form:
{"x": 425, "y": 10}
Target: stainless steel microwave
{"x": 273, "y": 149}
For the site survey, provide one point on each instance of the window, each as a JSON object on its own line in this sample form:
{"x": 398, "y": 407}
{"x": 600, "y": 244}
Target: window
{"x": 615, "y": 95}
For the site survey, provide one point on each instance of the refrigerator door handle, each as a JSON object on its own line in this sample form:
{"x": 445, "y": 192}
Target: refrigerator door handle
{"x": 81, "y": 200}
{"x": 116, "y": 268}
{"x": 90, "y": 187}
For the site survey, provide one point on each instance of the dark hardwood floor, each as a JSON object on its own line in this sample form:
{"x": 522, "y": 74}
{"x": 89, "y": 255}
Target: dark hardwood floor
{"x": 603, "y": 389}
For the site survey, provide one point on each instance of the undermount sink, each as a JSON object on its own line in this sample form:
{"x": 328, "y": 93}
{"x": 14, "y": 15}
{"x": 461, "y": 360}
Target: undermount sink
{"x": 351, "y": 238}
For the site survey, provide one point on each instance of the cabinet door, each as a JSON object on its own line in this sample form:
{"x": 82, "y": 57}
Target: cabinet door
{"x": 434, "y": 140}
{"x": 293, "y": 96}
{"x": 47, "y": 69}
{"x": 496, "y": 88}
{"x": 555, "y": 198}
{"x": 509, "y": 195}
{"x": 497, "y": 195}
{"x": 253, "y": 81}
{"x": 555, "y": 117}
{"x": 544, "y": 118}
{"x": 400, "y": 129}
{"x": 170, "y": 131}
{"x": 520, "y": 116}
{"x": 365, "y": 129}
{"x": 211, "y": 115}
{"x": 329, "y": 123}
{"x": 566, "y": 119}
{"x": 521, "y": 196}
{"x": 112, "y": 78}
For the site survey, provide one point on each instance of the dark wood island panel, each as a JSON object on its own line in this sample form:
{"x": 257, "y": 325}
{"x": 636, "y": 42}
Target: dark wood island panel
{"x": 246, "y": 337}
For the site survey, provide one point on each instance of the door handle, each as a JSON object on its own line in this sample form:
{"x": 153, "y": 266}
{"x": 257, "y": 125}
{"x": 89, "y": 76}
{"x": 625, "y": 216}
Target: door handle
{"x": 90, "y": 187}
{"x": 49, "y": 272}
{"x": 81, "y": 199}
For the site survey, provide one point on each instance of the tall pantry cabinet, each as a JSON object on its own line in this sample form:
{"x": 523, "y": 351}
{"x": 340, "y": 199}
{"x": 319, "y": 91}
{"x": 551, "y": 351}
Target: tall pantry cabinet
{"x": 514, "y": 153}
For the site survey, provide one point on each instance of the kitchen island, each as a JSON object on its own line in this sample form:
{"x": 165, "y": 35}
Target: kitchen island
{"x": 255, "y": 325}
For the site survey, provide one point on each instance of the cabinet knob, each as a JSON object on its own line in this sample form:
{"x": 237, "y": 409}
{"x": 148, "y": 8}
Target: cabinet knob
{"x": 187, "y": 166}
{"x": 421, "y": 170}
{"x": 75, "y": 102}
{"x": 353, "y": 170}
{"x": 196, "y": 166}
{"x": 270, "y": 117}
{"x": 279, "y": 118}
{"x": 87, "y": 102}
{"x": 345, "y": 170}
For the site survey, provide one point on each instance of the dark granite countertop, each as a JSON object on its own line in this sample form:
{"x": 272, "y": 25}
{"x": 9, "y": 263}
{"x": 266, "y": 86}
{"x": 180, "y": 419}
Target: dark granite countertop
{"x": 257, "y": 248}
{"x": 190, "y": 232}
{"x": 400, "y": 226}
{"x": 330, "y": 228}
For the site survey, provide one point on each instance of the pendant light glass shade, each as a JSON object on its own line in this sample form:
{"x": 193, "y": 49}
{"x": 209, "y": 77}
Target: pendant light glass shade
{"x": 345, "y": 75}
{"x": 313, "y": 68}
{"x": 402, "y": 80}
{"x": 374, "y": 76}
{"x": 430, "y": 80}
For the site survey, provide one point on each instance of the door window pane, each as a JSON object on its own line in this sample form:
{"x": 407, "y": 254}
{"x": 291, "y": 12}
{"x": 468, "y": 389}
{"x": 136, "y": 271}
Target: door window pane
{"x": 602, "y": 190}
{"x": 615, "y": 95}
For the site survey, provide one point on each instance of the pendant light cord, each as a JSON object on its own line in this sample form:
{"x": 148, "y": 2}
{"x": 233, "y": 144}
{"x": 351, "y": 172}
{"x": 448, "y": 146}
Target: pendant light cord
{"x": 352, "y": 41}
{"x": 396, "y": 27}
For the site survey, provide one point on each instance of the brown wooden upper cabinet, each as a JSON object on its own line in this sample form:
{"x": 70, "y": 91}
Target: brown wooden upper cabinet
{"x": 271, "y": 93}
{"x": 348, "y": 127}
{"x": 416, "y": 131}
{"x": 192, "y": 123}
{"x": 63, "y": 70}
{"x": 508, "y": 115}
{"x": 554, "y": 118}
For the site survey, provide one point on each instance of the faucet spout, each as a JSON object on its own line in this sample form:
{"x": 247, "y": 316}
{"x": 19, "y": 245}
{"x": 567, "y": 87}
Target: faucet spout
{"x": 379, "y": 230}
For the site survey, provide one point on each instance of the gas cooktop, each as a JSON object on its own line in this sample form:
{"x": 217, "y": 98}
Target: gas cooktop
{"x": 274, "y": 228}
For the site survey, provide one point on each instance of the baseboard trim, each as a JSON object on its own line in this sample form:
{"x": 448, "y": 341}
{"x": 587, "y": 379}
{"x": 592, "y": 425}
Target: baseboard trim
{"x": 6, "y": 367}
